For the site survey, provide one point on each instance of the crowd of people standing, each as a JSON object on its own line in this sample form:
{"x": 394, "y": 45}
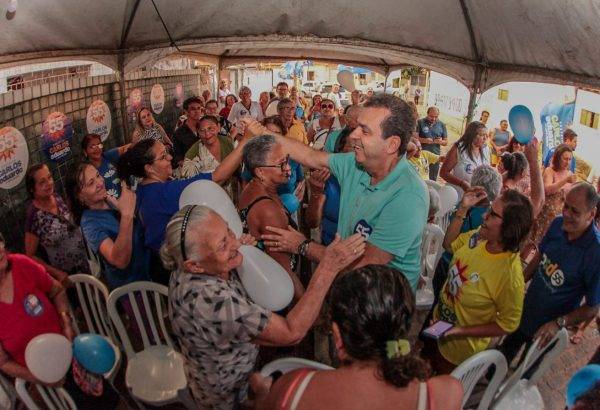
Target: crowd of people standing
{"x": 339, "y": 197}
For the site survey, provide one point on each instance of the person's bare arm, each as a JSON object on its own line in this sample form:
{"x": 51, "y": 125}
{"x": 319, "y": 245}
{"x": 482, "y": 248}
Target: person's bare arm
{"x": 448, "y": 166}
{"x": 31, "y": 246}
{"x": 290, "y": 330}
{"x": 118, "y": 253}
{"x": 314, "y": 211}
{"x": 58, "y": 295}
{"x": 581, "y": 314}
{"x": 485, "y": 330}
{"x": 229, "y": 164}
{"x": 469, "y": 199}
{"x": 535, "y": 177}
{"x": 299, "y": 152}
{"x": 425, "y": 140}
{"x": 551, "y": 187}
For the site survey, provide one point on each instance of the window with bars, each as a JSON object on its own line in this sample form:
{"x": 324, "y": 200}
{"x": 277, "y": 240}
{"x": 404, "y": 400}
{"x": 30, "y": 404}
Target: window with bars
{"x": 503, "y": 95}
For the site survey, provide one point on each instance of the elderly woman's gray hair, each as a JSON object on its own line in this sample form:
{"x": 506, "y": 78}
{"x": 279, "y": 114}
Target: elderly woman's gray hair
{"x": 489, "y": 179}
{"x": 170, "y": 251}
{"x": 256, "y": 151}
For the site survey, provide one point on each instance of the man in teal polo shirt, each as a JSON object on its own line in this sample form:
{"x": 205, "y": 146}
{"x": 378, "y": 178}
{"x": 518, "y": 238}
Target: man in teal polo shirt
{"x": 382, "y": 196}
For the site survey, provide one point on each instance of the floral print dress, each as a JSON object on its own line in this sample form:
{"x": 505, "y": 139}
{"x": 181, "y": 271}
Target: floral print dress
{"x": 59, "y": 236}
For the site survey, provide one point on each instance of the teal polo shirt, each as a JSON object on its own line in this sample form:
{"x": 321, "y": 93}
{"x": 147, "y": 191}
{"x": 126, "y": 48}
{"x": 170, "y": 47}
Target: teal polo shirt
{"x": 391, "y": 214}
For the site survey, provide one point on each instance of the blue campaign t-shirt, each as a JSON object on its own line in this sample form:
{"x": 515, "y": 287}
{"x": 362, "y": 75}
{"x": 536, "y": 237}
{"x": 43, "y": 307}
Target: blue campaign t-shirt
{"x": 568, "y": 271}
{"x": 433, "y": 131}
{"x": 157, "y": 203}
{"x": 548, "y": 159}
{"x": 108, "y": 171}
{"x": 331, "y": 210}
{"x": 98, "y": 225}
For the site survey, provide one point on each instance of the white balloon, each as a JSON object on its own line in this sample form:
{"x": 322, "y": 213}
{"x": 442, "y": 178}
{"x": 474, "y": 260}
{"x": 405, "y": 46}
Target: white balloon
{"x": 266, "y": 282}
{"x": 210, "y": 194}
{"x": 346, "y": 80}
{"x": 448, "y": 199}
{"x": 48, "y": 357}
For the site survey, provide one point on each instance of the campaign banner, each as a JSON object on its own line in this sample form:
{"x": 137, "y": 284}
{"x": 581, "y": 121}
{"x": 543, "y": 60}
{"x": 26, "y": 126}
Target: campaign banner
{"x": 57, "y": 136}
{"x": 14, "y": 157}
{"x": 136, "y": 98}
{"x": 555, "y": 118}
{"x": 179, "y": 95}
{"x": 157, "y": 98}
{"x": 98, "y": 120}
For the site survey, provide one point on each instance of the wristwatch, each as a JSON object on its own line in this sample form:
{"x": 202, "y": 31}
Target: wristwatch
{"x": 303, "y": 248}
{"x": 561, "y": 322}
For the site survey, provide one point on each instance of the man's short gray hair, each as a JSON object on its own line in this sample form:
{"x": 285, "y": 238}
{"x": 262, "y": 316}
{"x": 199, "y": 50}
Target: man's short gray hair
{"x": 244, "y": 88}
{"x": 256, "y": 151}
{"x": 487, "y": 177}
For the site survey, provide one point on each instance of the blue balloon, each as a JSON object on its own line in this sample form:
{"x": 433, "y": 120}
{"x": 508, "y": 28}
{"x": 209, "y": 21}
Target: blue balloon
{"x": 94, "y": 353}
{"x": 581, "y": 382}
{"x": 290, "y": 202}
{"x": 521, "y": 122}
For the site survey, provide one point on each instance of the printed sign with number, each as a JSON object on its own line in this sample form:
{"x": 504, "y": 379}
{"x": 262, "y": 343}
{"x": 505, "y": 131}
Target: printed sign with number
{"x": 57, "y": 135}
{"x": 98, "y": 119}
{"x": 14, "y": 157}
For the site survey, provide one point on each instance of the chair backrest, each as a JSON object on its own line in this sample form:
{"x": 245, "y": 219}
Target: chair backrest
{"x": 146, "y": 300}
{"x": 547, "y": 354}
{"x": 288, "y": 364}
{"x": 431, "y": 248}
{"x": 8, "y": 395}
{"x": 433, "y": 184}
{"x": 55, "y": 398}
{"x": 476, "y": 367}
{"x": 448, "y": 200}
{"x": 93, "y": 296}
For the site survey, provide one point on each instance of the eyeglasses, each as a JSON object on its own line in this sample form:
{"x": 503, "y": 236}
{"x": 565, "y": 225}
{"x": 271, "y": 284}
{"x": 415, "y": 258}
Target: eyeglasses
{"x": 330, "y": 106}
{"x": 163, "y": 156}
{"x": 282, "y": 165}
{"x": 99, "y": 146}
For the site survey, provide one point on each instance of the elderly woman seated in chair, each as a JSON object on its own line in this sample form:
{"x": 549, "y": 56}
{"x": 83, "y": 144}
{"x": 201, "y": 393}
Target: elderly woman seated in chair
{"x": 219, "y": 327}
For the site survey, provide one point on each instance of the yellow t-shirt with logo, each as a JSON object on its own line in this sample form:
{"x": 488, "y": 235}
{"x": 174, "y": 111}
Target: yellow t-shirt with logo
{"x": 422, "y": 162}
{"x": 481, "y": 288}
{"x": 297, "y": 132}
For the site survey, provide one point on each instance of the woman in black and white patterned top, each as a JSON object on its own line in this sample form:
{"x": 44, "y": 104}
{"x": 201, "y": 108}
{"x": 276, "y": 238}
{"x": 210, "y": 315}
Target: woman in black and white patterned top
{"x": 218, "y": 325}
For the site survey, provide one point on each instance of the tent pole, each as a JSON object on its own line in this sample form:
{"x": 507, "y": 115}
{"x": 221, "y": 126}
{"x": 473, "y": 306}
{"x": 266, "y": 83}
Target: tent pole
{"x": 473, "y": 93}
{"x": 122, "y": 98}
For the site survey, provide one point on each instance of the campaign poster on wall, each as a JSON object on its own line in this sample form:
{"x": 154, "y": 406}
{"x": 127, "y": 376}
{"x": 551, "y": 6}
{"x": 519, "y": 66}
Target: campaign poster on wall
{"x": 14, "y": 157}
{"x": 555, "y": 118}
{"x": 57, "y": 136}
{"x": 157, "y": 98}
{"x": 98, "y": 119}
{"x": 179, "y": 94}
{"x": 136, "y": 98}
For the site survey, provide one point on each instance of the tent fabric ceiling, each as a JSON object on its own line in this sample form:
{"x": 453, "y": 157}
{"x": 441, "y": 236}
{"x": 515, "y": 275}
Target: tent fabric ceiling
{"x": 479, "y": 42}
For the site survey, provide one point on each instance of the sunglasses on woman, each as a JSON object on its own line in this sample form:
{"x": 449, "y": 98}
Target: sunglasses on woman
{"x": 330, "y": 106}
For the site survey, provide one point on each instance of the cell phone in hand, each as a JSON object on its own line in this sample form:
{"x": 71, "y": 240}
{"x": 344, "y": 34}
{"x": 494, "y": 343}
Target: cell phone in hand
{"x": 437, "y": 330}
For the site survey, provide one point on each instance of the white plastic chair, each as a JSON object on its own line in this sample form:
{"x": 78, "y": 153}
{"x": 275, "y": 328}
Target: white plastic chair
{"x": 55, "y": 398}
{"x": 431, "y": 252}
{"x": 433, "y": 184}
{"x": 516, "y": 388}
{"x": 93, "y": 295}
{"x": 474, "y": 368}
{"x": 288, "y": 364}
{"x": 8, "y": 394}
{"x": 448, "y": 201}
{"x": 154, "y": 375}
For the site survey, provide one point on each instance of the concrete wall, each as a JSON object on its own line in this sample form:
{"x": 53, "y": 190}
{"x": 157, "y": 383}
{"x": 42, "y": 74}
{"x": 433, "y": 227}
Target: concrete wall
{"x": 25, "y": 110}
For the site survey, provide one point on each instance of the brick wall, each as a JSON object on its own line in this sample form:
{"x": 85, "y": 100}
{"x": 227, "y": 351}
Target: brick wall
{"x": 26, "y": 108}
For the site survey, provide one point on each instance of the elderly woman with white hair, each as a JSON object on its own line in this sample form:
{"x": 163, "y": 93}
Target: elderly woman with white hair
{"x": 219, "y": 327}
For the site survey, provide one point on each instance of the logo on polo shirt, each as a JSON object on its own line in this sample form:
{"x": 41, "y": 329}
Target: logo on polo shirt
{"x": 363, "y": 228}
{"x": 33, "y": 305}
{"x": 551, "y": 270}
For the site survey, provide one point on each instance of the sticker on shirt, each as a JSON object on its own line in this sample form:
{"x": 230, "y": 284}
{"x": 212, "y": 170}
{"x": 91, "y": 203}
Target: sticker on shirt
{"x": 363, "y": 228}
{"x": 474, "y": 240}
{"x": 33, "y": 305}
{"x": 425, "y": 129}
{"x": 469, "y": 169}
{"x": 551, "y": 270}
{"x": 457, "y": 278}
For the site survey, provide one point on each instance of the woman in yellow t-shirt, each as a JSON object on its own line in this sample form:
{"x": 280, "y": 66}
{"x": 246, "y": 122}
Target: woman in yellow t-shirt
{"x": 420, "y": 159}
{"x": 483, "y": 294}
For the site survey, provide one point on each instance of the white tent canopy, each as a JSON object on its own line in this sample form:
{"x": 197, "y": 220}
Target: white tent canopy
{"x": 481, "y": 43}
